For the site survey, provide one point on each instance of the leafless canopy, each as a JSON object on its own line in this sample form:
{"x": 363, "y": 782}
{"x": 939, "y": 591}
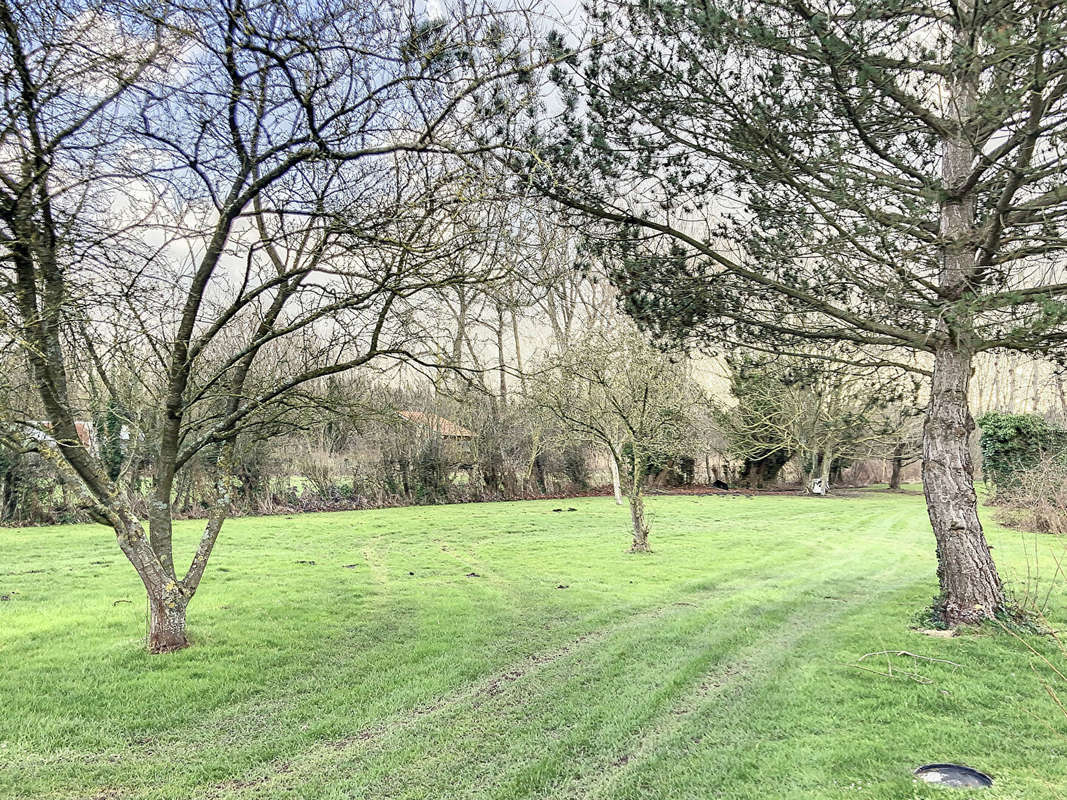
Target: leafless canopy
{"x": 213, "y": 203}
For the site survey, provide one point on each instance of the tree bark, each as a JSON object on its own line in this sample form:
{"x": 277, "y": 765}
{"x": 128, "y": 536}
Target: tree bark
{"x": 166, "y": 626}
{"x": 757, "y": 472}
{"x": 637, "y": 503}
{"x": 539, "y": 474}
{"x": 616, "y": 483}
{"x": 970, "y": 587}
{"x": 501, "y": 368}
{"x": 898, "y": 465}
{"x": 824, "y": 470}
{"x": 518, "y": 350}
{"x": 637, "y": 514}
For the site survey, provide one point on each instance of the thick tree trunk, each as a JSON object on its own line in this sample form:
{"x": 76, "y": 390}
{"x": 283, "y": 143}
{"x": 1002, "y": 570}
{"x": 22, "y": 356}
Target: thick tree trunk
{"x": 760, "y": 471}
{"x": 898, "y": 465}
{"x": 824, "y": 469}
{"x": 166, "y": 625}
{"x": 970, "y": 587}
{"x": 160, "y": 526}
{"x": 167, "y": 598}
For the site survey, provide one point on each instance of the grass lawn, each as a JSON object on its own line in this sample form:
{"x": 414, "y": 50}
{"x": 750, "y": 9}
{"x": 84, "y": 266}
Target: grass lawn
{"x": 507, "y": 651}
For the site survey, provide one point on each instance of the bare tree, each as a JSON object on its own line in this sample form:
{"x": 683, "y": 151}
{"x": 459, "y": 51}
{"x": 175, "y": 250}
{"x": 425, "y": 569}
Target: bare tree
{"x": 822, "y": 414}
{"x": 235, "y": 198}
{"x": 901, "y": 429}
{"x": 611, "y": 388}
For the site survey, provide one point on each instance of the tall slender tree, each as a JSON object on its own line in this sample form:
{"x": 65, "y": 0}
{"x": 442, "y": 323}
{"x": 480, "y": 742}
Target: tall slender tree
{"x": 883, "y": 175}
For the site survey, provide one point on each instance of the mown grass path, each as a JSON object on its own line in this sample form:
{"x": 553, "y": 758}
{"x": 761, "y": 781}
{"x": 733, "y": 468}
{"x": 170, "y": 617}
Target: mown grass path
{"x": 430, "y": 653}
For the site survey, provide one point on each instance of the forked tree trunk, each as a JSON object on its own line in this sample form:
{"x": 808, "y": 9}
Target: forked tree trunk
{"x": 168, "y": 599}
{"x": 970, "y": 587}
{"x": 166, "y": 623}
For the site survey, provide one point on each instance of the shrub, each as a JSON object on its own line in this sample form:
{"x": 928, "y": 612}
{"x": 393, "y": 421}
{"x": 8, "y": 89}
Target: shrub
{"x": 1036, "y": 498}
{"x": 576, "y": 466}
{"x": 661, "y": 469}
{"x": 431, "y": 470}
{"x": 321, "y": 470}
{"x": 1016, "y": 443}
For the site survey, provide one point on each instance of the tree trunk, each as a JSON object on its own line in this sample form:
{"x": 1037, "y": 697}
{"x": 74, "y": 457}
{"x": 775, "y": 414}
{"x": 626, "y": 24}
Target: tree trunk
{"x": 166, "y": 626}
{"x": 502, "y": 369}
{"x": 824, "y": 470}
{"x": 810, "y": 471}
{"x": 637, "y": 503}
{"x": 970, "y": 587}
{"x": 637, "y": 514}
{"x": 539, "y": 474}
{"x": 518, "y": 350}
{"x": 616, "y": 483}
{"x": 537, "y": 466}
{"x": 898, "y": 465}
{"x": 757, "y": 472}
{"x": 167, "y": 598}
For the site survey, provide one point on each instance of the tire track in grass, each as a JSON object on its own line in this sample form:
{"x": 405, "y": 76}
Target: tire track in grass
{"x": 738, "y": 675}
{"x": 495, "y": 690}
{"x": 645, "y": 731}
{"x": 498, "y": 685}
{"x": 736, "y": 672}
{"x": 721, "y": 647}
{"x": 613, "y": 623}
{"x": 467, "y": 558}
{"x": 229, "y": 723}
{"x": 487, "y": 687}
{"x": 376, "y": 567}
{"x": 487, "y": 697}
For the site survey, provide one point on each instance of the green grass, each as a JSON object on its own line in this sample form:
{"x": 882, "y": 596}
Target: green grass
{"x": 718, "y": 667}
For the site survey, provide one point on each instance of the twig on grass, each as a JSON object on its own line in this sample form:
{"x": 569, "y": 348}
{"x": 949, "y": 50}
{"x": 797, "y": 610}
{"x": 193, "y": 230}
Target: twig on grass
{"x": 1049, "y": 689}
{"x": 1028, "y": 646}
{"x": 912, "y": 655}
{"x": 911, "y": 675}
{"x": 891, "y": 673}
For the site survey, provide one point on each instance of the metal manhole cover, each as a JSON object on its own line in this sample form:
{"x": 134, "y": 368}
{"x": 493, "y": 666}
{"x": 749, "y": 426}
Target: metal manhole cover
{"x": 956, "y": 775}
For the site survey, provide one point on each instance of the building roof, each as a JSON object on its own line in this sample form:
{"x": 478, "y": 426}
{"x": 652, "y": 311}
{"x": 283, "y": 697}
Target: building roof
{"x": 439, "y": 425}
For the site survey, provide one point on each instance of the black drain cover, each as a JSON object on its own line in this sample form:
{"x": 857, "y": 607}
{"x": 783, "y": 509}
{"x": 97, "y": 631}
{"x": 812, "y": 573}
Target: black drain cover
{"x": 954, "y": 775}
